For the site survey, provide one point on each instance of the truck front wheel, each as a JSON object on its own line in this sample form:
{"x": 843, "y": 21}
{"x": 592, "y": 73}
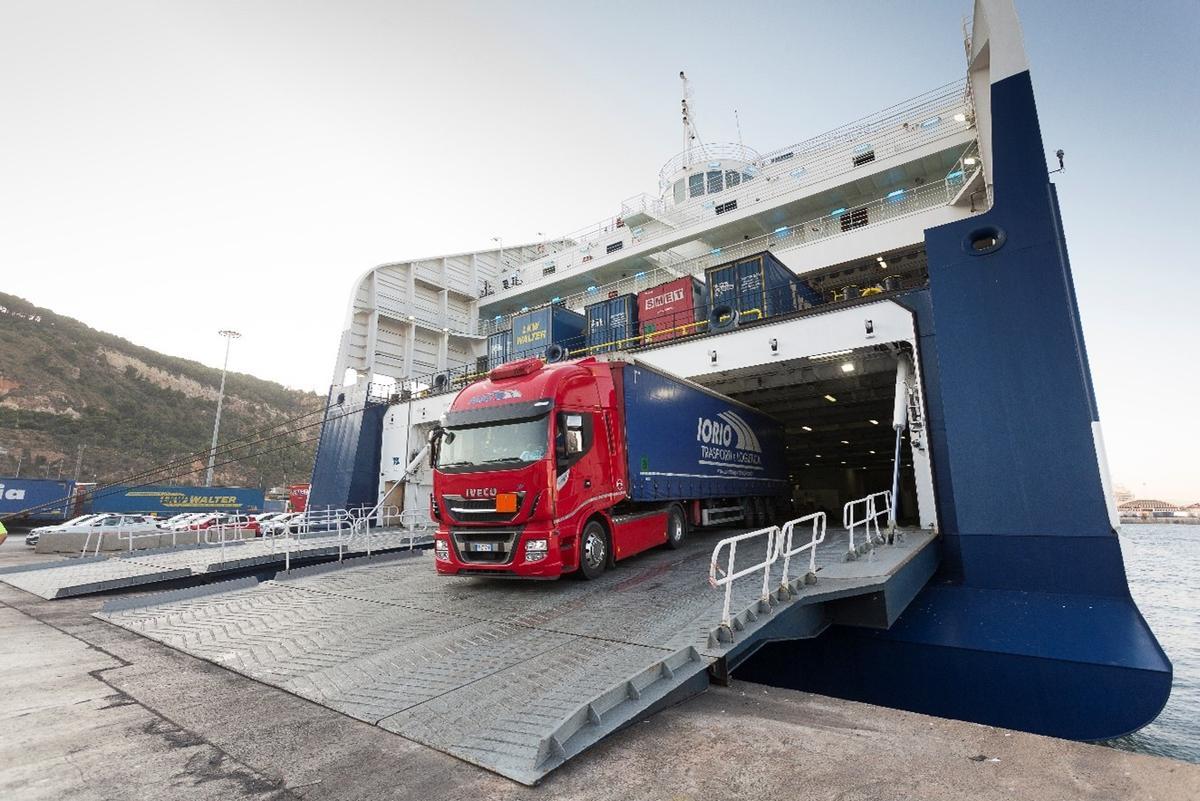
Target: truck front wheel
{"x": 676, "y": 527}
{"x": 593, "y": 550}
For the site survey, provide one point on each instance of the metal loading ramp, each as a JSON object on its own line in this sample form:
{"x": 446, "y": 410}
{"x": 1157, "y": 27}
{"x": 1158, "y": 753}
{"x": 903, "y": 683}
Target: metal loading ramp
{"x": 66, "y": 578}
{"x": 516, "y": 677}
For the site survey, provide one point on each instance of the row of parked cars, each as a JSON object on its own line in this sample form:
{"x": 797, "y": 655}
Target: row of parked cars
{"x": 270, "y": 524}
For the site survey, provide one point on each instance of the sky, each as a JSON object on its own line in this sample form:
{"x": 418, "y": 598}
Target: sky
{"x": 171, "y": 168}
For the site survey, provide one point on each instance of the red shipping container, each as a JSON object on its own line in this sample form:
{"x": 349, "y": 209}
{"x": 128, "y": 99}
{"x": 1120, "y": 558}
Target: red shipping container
{"x": 298, "y": 496}
{"x": 667, "y": 311}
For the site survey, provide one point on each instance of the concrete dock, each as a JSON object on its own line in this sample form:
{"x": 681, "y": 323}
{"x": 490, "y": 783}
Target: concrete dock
{"x": 92, "y": 711}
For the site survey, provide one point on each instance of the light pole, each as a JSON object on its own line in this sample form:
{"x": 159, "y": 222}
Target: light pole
{"x": 212, "y": 452}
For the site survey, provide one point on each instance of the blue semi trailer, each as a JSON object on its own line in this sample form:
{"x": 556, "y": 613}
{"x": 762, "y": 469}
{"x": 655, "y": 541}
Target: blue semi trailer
{"x": 546, "y": 469}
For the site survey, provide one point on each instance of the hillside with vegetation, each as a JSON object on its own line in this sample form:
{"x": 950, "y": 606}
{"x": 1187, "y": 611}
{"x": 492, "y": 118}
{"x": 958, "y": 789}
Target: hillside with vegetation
{"x": 64, "y": 385}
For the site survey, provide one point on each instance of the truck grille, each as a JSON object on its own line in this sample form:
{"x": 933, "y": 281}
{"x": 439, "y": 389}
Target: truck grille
{"x": 484, "y": 546}
{"x": 480, "y": 510}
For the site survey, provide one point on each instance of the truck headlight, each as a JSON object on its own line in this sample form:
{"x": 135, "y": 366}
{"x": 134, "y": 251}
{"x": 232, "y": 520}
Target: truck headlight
{"x": 441, "y": 550}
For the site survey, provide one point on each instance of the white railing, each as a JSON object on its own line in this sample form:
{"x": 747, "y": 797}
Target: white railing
{"x": 860, "y": 215}
{"x": 702, "y": 154}
{"x": 866, "y": 512}
{"x": 730, "y": 574}
{"x": 121, "y": 535}
{"x": 788, "y": 549}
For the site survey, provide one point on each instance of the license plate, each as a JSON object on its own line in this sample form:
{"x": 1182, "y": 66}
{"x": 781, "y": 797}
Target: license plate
{"x": 486, "y": 547}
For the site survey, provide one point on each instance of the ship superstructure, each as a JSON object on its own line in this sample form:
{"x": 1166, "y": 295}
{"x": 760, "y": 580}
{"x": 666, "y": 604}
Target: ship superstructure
{"x": 927, "y": 341}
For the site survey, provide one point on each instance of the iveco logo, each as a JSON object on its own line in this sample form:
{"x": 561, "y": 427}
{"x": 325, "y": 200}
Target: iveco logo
{"x": 12, "y": 494}
{"x": 724, "y": 430}
{"x": 479, "y": 492}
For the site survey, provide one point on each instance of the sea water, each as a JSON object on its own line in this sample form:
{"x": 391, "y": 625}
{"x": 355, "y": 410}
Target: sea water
{"x": 1163, "y": 564}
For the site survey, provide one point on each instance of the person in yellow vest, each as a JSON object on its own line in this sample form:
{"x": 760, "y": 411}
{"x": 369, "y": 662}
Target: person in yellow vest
{"x": 3, "y": 532}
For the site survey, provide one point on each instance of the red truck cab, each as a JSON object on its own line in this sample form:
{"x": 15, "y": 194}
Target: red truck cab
{"x": 530, "y": 475}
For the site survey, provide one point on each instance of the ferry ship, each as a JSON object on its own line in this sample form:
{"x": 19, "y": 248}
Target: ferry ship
{"x": 926, "y": 270}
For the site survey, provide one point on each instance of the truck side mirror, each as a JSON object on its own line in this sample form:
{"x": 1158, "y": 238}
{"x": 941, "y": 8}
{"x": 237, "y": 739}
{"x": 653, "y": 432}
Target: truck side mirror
{"x": 574, "y": 426}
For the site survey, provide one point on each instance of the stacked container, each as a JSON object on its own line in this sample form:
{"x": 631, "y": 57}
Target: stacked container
{"x": 534, "y": 331}
{"x": 667, "y": 311}
{"x": 499, "y": 348}
{"x": 612, "y": 324}
{"x": 757, "y": 287}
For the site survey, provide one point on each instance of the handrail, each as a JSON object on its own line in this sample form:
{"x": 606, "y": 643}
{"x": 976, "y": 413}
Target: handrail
{"x": 787, "y": 551}
{"x": 729, "y": 575}
{"x": 879, "y": 210}
{"x": 871, "y": 514}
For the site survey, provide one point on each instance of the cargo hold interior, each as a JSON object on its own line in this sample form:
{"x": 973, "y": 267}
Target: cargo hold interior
{"x": 837, "y": 413}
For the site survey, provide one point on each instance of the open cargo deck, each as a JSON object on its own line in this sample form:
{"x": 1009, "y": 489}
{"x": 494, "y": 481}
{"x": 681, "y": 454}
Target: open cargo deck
{"x": 517, "y": 677}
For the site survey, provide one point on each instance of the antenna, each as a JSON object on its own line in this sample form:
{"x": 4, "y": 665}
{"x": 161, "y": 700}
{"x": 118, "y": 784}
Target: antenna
{"x": 739, "y": 126}
{"x": 690, "y": 136}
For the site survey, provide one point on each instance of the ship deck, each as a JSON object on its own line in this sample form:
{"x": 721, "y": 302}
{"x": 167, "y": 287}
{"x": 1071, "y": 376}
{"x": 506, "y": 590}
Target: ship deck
{"x": 516, "y": 677}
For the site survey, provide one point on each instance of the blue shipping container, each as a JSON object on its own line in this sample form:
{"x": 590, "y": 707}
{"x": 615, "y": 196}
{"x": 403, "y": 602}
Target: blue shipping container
{"x": 499, "y": 348}
{"x": 612, "y": 324}
{"x": 757, "y": 287}
{"x": 534, "y": 331}
{"x": 685, "y": 441}
{"x": 170, "y": 500}
{"x": 50, "y": 499}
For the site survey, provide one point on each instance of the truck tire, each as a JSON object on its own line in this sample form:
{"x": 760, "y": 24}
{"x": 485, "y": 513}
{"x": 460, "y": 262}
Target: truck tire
{"x": 593, "y": 550}
{"x": 676, "y": 527}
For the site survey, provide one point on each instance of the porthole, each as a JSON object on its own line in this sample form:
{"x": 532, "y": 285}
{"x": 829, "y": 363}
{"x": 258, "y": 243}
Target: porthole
{"x": 984, "y": 240}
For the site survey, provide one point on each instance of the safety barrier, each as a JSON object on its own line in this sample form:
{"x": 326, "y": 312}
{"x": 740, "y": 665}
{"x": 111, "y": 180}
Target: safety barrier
{"x": 122, "y": 535}
{"x": 787, "y": 551}
{"x": 730, "y": 575}
{"x": 872, "y": 507}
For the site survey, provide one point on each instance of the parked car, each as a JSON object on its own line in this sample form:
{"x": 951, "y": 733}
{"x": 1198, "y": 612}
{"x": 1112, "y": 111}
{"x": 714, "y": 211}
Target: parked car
{"x": 100, "y": 523}
{"x": 182, "y": 521}
{"x": 228, "y": 522}
{"x": 280, "y": 524}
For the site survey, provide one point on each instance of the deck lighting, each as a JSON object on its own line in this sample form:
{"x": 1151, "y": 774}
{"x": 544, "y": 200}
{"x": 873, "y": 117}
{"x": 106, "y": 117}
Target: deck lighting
{"x": 592, "y": 288}
{"x": 837, "y": 212}
{"x": 714, "y": 165}
{"x": 497, "y": 318}
{"x": 831, "y": 399}
{"x": 782, "y": 230}
{"x": 799, "y": 171}
{"x": 970, "y": 162}
{"x": 954, "y": 175}
{"x": 807, "y": 428}
{"x": 639, "y": 275}
{"x": 872, "y": 451}
{"x": 715, "y": 251}
{"x": 818, "y": 455}
{"x": 555, "y": 299}
{"x": 892, "y": 197}
{"x": 845, "y": 442}
{"x": 960, "y": 117}
{"x": 848, "y": 367}
{"x": 873, "y": 422}
{"x": 931, "y": 122}
{"x": 843, "y": 462}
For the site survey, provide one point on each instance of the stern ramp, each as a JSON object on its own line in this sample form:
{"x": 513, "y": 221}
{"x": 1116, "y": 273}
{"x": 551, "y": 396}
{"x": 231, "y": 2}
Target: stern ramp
{"x": 518, "y": 677}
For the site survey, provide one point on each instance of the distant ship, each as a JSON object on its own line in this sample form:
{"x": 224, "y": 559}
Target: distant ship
{"x": 927, "y": 234}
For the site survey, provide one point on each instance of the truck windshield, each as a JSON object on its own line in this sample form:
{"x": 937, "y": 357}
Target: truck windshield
{"x": 495, "y": 444}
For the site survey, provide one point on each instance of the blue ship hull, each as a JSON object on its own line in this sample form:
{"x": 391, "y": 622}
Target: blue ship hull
{"x": 1029, "y": 623}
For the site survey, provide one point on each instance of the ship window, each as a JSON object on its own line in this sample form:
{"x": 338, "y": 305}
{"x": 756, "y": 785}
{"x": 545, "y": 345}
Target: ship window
{"x": 696, "y": 185}
{"x": 782, "y": 157}
{"x": 855, "y": 219}
{"x": 747, "y": 176}
{"x": 729, "y": 205}
{"x": 679, "y": 194}
{"x": 732, "y": 178}
{"x": 864, "y": 158}
{"x": 715, "y": 183}
{"x": 614, "y": 247}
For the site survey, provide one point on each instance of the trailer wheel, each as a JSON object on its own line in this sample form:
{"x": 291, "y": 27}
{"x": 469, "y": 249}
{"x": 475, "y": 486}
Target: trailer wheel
{"x": 676, "y": 527}
{"x": 593, "y": 550}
